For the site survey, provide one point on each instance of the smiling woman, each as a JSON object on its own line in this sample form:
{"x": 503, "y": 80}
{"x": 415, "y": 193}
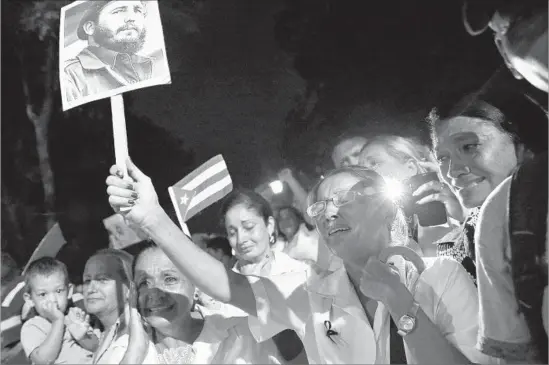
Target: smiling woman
{"x": 477, "y": 149}
{"x": 185, "y": 333}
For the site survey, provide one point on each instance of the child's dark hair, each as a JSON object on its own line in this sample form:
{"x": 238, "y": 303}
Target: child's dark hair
{"x": 45, "y": 266}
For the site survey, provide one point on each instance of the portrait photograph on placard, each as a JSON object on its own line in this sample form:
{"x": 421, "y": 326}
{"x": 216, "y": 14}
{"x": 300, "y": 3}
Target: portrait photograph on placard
{"x": 110, "y": 47}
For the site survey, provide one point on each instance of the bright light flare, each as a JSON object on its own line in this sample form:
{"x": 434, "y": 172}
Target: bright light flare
{"x": 277, "y": 186}
{"x": 393, "y": 189}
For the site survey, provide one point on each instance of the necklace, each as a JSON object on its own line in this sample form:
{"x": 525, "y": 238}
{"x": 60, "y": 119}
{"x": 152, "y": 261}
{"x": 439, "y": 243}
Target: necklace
{"x": 179, "y": 355}
{"x": 175, "y": 351}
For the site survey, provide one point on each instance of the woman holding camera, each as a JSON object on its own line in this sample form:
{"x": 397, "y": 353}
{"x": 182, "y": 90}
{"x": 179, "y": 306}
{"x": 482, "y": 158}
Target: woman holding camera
{"x": 407, "y": 162}
{"x": 476, "y": 148}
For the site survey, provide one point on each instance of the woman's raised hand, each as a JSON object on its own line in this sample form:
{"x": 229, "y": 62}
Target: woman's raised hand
{"x": 136, "y": 199}
{"x": 286, "y": 175}
{"x": 442, "y": 193}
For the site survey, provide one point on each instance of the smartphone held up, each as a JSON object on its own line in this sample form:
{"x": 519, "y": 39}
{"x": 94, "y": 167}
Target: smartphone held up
{"x": 428, "y": 214}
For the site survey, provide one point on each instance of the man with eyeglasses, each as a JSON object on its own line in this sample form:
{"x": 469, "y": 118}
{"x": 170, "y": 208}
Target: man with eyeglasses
{"x": 520, "y": 32}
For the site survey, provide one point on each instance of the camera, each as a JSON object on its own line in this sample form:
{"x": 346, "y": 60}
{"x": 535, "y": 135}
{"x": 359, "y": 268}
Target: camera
{"x": 429, "y": 214}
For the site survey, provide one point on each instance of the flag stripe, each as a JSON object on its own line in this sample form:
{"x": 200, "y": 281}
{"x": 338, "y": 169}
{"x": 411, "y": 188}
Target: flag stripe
{"x": 10, "y": 323}
{"x": 205, "y": 175}
{"x": 209, "y": 191}
{"x": 205, "y": 185}
{"x": 206, "y": 165}
{"x": 214, "y": 198}
{"x": 209, "y": 182}
{"x": 176, "y": 206}
{"x": 12, "y": 294}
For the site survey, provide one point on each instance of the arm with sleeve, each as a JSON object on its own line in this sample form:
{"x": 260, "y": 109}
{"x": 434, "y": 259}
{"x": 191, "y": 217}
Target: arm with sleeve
{"x": 282, "y": 302}
{"x": 455, "y": 308}
{"x": 503, "y": 331}
{"x": 42, "y": 341}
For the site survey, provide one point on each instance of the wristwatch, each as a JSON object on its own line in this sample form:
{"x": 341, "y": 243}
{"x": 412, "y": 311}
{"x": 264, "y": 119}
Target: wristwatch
{"x": 407, "y": 322}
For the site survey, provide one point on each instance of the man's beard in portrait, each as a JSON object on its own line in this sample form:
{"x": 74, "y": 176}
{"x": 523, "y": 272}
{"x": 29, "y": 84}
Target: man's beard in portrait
{"x": 106, "y": 38}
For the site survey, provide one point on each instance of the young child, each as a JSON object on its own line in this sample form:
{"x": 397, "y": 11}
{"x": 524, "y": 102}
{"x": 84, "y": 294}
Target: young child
{"x": 57, "y": 334}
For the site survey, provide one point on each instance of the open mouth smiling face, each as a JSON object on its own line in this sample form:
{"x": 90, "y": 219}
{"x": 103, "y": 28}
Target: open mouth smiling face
{"x": 348, "y": 202}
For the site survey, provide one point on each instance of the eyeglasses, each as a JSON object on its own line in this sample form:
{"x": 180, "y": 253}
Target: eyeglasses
{"x": 339, "y": 199}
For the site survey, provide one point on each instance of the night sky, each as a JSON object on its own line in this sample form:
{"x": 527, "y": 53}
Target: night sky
{"x": 239, "y": 69}
{"x": 383, "y": 67}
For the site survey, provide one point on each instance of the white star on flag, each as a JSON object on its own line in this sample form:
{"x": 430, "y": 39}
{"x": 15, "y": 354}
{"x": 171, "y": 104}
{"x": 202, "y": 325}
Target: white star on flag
{"x": 184, "y": 200}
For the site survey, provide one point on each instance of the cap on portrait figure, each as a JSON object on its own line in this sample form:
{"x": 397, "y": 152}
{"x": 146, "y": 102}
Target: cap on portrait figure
{"x": 93, "y": 7}
{"x": 90, "y": 14}
{"x": 477, "y": 14}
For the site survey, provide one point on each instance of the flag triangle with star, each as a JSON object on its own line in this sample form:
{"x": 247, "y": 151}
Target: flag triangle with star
{"x": 184, "y": 198}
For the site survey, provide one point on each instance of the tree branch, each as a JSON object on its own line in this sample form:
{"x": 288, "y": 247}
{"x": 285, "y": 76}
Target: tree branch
{"x": 26, "y": 91}
{"x": 47, "y": 103}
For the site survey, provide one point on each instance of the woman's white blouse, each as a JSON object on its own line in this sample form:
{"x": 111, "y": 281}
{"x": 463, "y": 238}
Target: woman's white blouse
{"x": 312, "y": 301}
{"x": 226, "y": 339}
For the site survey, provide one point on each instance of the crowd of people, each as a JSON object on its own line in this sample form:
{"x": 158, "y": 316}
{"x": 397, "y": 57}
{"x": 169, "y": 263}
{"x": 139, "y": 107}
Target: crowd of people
{"x": 452, "y": 268}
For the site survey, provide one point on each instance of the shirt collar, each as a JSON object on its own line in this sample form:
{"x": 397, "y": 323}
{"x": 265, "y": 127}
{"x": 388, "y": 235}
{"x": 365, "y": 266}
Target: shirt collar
{"x": 327, "y": 282}
{"x": 269, "y": 260}
{"x": 117, "y": 327}
{"x": 108, "y": 337}
{"x": 94, "y": 58}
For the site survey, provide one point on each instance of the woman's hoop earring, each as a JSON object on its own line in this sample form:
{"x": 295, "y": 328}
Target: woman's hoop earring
{"x": 272, "y": 239}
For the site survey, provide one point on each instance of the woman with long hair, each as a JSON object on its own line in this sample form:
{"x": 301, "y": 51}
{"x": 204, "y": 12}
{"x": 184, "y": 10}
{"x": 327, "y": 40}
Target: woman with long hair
{"x": 477, "y": 148}
{"x": 400, "y": 158}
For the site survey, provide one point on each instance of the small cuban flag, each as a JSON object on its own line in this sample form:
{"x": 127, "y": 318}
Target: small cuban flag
{"x": 200, "y": 189}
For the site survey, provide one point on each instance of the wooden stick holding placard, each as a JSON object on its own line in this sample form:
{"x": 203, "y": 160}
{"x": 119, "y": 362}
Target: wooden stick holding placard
{"x": 120, "y": 136}
{"x": 119, "y": 132}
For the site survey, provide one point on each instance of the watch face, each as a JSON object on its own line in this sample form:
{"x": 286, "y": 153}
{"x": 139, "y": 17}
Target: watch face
{"x": 407, "y": 323}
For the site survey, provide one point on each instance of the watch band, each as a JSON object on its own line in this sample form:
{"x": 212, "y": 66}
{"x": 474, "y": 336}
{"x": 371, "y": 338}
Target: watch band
{"x": 412, "y": 312}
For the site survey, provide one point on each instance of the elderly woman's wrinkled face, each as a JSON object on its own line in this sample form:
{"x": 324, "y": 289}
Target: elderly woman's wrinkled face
{"x": 103, "y": 288}
{"x": 348, "y": 229}
{"x": 248, "y": 233}
{"x": 475, "y": 156}
{"x": 165, "y": 295}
